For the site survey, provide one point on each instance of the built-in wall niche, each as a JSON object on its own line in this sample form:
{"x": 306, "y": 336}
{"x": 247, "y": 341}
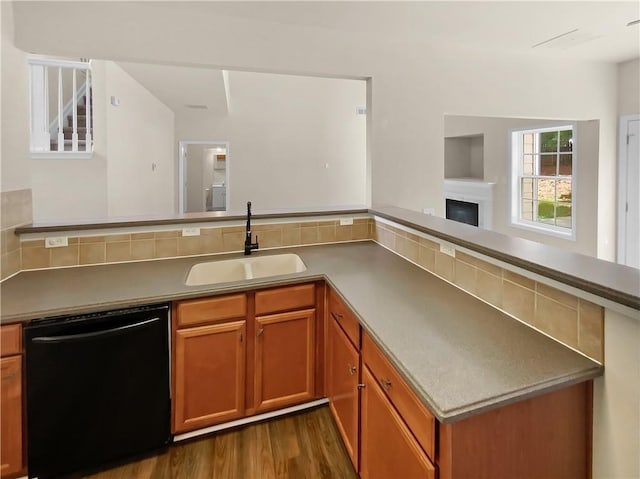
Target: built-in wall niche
{"x": 464, "y": 156}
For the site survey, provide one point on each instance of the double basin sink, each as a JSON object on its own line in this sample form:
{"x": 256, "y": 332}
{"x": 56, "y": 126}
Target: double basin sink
{"x": 242, "y": 269}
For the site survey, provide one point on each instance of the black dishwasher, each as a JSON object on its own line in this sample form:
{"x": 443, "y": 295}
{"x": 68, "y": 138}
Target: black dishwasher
{"x": 97, "y": 389}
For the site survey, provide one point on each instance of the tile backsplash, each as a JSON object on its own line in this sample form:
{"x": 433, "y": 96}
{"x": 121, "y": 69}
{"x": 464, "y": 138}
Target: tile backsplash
{"x": 116, "y": 248}
{"x": 16, "y": 210}
{"x": 574, "y": 321}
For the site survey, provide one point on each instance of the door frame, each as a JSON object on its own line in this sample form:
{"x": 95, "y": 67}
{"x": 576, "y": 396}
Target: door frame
{"x": 182, "y": 149}
{"x": 623, "y": 128}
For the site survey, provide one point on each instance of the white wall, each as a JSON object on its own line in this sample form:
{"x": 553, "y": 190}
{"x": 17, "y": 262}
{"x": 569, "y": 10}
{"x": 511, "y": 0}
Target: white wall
{"x": 616, "y": 420}
{"x": 14, "y": 136}
{"x": 412, "y": 85}
{"x": 629, "y": 87}
{"x": 140, "y": 170}
{"x": 118, "y": 180}
{"x": 497, "y": 132}
{"x": 283, "y": 131}
{"x": 66, "y": 190}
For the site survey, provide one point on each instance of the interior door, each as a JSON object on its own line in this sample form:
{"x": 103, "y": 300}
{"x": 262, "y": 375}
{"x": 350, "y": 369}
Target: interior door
{"x": 630, "y": 253}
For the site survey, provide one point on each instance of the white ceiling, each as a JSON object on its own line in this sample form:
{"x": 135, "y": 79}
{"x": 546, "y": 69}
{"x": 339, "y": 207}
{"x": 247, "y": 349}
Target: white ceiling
{"x": 509, "y": 27}
{"x": 177, "y": 87}
{"x": 586, "y": 30}
{"x": 599, "y": 32}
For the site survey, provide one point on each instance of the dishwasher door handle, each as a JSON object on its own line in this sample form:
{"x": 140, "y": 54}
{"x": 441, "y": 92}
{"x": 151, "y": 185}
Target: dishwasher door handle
{"x": 82, "y": 336}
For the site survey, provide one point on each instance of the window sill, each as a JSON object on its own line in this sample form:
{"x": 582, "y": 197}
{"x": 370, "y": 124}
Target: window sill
{"x": 61, "y": 155}
{"x": 569, "y": 235}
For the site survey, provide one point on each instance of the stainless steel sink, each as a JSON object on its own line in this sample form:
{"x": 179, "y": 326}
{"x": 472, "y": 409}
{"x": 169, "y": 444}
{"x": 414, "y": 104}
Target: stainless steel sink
{"x": 241, "y": 269}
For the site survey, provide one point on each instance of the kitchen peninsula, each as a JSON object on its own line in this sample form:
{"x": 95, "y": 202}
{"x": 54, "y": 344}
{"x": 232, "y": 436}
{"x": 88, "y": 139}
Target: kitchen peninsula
{"x": 461, "y": 356}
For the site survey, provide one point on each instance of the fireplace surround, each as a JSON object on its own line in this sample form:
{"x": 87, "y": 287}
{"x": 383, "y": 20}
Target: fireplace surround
{"x": 463, "y": 194}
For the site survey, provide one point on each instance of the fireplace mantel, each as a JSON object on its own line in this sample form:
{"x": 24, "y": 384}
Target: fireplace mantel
{"x": 473, "y": 190}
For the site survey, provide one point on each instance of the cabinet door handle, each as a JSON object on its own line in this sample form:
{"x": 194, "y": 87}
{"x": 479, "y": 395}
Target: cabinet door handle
{"x": 336, "y": 316}
{"x": 241, "y": 337}
{"x": 361, "y": 386}
{"x": 385, "y": 383}
{"x": 352, "y": 369}
{"x": 260, "y": 331}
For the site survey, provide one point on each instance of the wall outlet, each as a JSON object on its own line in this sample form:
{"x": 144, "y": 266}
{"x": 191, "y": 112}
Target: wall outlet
{"x": 190, "y": 231}
{"x": 429, "y": 211}
{"x": 448, "y": 249}
{"x": 346, "y": 221}
{"x": 56, "y": 242}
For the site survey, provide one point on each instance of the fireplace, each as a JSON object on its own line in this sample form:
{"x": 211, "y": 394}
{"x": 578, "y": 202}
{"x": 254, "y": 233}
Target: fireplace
{"x": 469, "y": 200}
{"x": 462, "y": 211}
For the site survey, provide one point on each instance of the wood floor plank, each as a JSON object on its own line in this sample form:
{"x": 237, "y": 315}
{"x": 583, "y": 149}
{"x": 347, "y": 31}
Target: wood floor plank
{"x": 305, "y": 445}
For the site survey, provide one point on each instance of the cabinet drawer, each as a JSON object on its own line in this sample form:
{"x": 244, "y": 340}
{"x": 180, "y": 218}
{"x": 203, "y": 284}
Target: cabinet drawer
{"x": 10, "y": 339}
{"x": 343, "y": 315}
{"x": 417, "y": 417}
{"x": 288, "y": 298}
{"x": 212, "y": 310}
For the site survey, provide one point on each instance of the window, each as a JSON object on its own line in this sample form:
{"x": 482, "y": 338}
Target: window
{"x": 61, "y": 124}
{"x": 543, "y": 168}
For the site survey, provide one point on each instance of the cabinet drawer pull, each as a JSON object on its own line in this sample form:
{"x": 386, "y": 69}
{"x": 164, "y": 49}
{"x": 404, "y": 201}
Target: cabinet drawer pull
{"x": 336, "y": 316}
{"x": 352, "y": 369}
{"x": 385, "y": 383}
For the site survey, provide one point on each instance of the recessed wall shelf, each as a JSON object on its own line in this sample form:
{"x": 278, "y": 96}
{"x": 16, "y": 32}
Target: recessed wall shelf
{"x": 464, "y": 157}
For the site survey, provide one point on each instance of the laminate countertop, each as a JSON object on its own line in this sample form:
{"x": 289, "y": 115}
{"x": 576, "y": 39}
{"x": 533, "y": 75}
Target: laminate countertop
{"x": 461, "y": 355}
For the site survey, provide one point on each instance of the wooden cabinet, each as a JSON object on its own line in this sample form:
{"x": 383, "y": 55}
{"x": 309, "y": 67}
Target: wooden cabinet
{"x": 240, "y": 354}
{"x": 398, "y": 431}
{"x": 415, "y": 414}
{"x": 386, "y": 430}
{"x": 285, "y": 346}
{"x": 545, "y": 436}
{"x": 388, "y": 449}
{"x": 11, "y": 427}
{"x": 209, "y": 374}
{"x": 284, "y": 359}
{"x": 343, "y": 377}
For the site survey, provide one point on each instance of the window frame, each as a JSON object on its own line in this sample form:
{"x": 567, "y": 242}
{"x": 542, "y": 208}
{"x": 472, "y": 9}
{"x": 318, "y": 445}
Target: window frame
{"x": 516, "y": 175}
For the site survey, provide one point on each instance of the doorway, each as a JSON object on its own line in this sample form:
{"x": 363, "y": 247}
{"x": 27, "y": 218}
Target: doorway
{"x": 204, "y": 176}
{"x": 629, "y": 191}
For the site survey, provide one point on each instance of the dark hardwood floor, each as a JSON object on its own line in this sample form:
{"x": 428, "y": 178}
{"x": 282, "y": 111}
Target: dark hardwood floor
{"x": 305, "y": 445}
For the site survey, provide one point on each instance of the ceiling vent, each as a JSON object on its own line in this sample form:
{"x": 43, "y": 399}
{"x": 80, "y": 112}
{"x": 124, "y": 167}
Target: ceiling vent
{"x": 198, "y": 107}
{"x": 567, "y": 40}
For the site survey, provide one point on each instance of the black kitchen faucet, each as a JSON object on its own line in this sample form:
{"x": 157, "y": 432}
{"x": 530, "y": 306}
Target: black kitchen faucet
{"x": 248, "y": 245}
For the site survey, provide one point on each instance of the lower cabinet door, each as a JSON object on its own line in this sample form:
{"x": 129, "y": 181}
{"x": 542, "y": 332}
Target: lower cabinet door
{"x": 209, "y": 375}
{"x": 388, "y": 450}
{"x": 11, "y": 416}
{"x": 342, "y": 386}
{"x": 284, "y": 359}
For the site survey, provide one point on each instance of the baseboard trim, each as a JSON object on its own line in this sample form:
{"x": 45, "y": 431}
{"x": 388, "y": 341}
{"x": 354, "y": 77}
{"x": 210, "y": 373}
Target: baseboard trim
{"x": 250, "y": 419}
